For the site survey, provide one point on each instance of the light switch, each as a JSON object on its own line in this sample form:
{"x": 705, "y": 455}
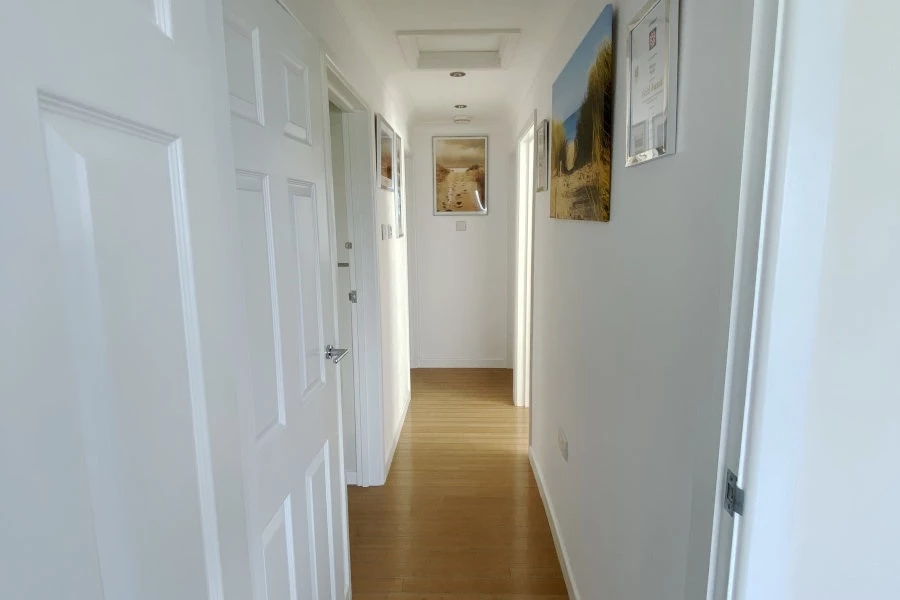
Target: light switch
{"x": 461, "y": 225}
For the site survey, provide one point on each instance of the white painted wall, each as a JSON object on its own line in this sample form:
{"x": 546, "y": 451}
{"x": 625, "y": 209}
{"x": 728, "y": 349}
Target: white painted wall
{"x": 389, "y": 372}
{"x": 821, "y": 473}
{"x": 459, "y": 282}
{"x": 631, "y": 324}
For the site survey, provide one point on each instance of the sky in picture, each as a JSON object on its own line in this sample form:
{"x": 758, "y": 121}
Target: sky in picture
{"x": 570, "y": 86}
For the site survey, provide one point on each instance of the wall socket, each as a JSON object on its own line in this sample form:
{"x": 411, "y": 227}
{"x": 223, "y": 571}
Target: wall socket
{"x": 563, "y": 442}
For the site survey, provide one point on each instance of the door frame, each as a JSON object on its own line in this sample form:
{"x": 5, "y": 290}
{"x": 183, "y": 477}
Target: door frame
{"x": 753, "y": 245}
{"x": 365, "y": 314}
{"x": 522, "y": 399}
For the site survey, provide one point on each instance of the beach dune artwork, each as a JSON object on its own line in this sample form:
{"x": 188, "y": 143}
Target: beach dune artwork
{"x": 460, "y": 175}
{"x": 581, "y": 129}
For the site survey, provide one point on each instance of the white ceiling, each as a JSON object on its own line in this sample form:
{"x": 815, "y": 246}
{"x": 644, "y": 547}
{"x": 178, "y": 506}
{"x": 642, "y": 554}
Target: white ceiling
{"x": 431, "y": 95}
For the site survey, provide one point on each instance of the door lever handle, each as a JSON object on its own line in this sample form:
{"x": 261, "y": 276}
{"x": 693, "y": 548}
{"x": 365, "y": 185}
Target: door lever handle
{"x": 336, "y": 354}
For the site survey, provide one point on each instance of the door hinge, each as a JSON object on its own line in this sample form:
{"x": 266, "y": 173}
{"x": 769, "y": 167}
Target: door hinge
{"x": 734, "y": 495}
{"x": 353, "y": 297}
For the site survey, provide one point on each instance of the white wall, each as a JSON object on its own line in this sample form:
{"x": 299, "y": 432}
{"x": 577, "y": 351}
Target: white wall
{"x": 459, "y": 279}
{"x": 391, "y": 333}
{"x": 631, "y": 324}
{"x": 821, "y": 517}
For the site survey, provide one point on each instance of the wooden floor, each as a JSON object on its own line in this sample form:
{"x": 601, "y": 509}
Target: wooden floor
{"x": 460, "y": 517}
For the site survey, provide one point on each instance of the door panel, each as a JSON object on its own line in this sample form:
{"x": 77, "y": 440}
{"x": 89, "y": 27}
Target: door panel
{"x": 295, "y": 492}
{"x": 111, "y": 308}
{"x": 305, "y": 245}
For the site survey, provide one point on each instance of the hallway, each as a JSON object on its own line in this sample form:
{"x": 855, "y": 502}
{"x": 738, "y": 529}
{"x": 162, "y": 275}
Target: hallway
{"x": 460, "y": 516}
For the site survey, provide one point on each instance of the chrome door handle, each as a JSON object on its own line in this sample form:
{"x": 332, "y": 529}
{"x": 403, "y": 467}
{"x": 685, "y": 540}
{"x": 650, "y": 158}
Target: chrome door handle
{"x": 336, "y": 354}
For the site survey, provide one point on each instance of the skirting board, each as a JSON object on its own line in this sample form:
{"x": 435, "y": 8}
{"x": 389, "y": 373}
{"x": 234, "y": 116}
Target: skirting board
{"x": 390, "y": 457}
{"x": 351, "y": 478}
{"x": 554, "y": 529}
{"x": 451, "y": 363}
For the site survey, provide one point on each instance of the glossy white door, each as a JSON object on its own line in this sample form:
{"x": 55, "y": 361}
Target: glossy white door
{"x": 295, "y": 493}
{"x": 116, "y": 318}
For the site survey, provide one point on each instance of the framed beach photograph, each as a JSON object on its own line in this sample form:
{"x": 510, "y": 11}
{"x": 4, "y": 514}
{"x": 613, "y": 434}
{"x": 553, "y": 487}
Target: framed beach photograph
{"x": 652, "y": 82}
{"x": 460, "y": 175}
{"x": 384, "y": 151}
{"x": 398, "y": 187}
{"x": 542, "y": 156}
{"x": 581, "y": 131}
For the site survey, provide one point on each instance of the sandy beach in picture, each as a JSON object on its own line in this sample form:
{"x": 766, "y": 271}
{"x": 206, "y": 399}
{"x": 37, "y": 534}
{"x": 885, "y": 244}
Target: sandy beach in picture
{"x": 459, "y": 175}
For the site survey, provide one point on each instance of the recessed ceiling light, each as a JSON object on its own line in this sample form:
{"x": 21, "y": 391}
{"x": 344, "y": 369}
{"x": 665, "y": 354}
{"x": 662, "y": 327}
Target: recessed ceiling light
{"x": 457, "y": 74}
{"x": 461, "y": 106}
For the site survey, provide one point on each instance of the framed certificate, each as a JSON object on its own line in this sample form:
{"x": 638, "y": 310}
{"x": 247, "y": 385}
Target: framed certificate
{"x": 652, "y": 89}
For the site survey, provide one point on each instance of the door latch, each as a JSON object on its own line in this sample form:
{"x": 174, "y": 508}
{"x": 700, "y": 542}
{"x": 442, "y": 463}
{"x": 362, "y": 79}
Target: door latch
{"x": 335, "y": 354}
{"x": 734, "y": 495}
{"x": 353, "y": 296}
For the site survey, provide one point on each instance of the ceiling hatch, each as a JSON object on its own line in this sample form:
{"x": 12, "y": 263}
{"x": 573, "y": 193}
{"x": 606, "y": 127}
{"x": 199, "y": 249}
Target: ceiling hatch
{"x": 459, "y": 48}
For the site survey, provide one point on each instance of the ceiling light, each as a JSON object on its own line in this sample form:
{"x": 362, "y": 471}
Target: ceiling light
{"x": 461, "y": 106}
{"x": 457, "y": 74}
{"x": 462, "y": 120}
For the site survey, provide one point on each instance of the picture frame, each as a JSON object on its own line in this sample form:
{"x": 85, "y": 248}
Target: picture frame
{"x": 652, "y": 82}
{"x": 542, "y": 157}
{"x": 399, "y": 208}
{"x": 460, "y": 175}
{"x": 384, "y": 154}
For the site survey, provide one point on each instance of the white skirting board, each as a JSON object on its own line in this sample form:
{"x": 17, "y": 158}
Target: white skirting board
{"x": 554, "y": 529}
{"x": 455, "y": 363}
{"x": 390, "y": 457}
{"x": 351, "y": 478}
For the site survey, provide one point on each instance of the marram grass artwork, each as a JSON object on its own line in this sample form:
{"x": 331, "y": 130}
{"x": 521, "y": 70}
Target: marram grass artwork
{"x": 581, "y": 129}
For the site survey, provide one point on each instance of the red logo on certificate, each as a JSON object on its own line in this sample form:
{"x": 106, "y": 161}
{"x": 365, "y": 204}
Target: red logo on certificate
{"x": 653, "y": 38}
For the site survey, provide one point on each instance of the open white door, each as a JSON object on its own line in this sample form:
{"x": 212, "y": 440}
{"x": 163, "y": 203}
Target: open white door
{"x": 295, "y": 496}
{"x": 117, "y": 317}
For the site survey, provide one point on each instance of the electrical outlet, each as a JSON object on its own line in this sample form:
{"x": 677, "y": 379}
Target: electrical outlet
{"x": 563, "y": 442}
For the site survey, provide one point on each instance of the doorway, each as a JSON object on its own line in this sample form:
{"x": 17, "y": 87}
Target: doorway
{"x": 344, "y": 289}
{"x": 351, "y": 147}
{"x": 524, "y": 260}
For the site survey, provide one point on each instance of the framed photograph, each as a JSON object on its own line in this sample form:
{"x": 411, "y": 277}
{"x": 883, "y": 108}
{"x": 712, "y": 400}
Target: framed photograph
{"x": 460, "y": 175}
{"x": 652, "y": 86}
{"x": 542, "y": 157}
{"x": 384, "y": 151}
{"x": 581, "y": 131}
{"x": 399, "y": 187}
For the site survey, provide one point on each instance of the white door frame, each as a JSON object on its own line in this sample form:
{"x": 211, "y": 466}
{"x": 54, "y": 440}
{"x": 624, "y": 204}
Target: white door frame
{"x": 522, "y": 381}
{"x": 358, "y": 124}
{"x": 750, "y": 250}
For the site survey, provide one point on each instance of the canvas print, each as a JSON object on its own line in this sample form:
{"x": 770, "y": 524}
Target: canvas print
{"x": 460, "y": 175}
{"x": 541, "y": 156}
{"x": 398, "y": 192}
{"x": 385, "y": 142}
{"x": 581, "y": 132}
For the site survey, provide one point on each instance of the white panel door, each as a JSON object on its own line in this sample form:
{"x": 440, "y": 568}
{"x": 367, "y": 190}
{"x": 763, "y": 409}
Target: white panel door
{"x": 115, "y": 310}
{"x": 295, "y": 495}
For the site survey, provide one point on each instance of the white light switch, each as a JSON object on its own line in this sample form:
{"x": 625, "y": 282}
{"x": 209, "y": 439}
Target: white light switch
{"x": 461, "y": 225}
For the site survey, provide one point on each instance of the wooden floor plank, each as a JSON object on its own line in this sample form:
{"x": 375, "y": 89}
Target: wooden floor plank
{"x": 460, "y": 516}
